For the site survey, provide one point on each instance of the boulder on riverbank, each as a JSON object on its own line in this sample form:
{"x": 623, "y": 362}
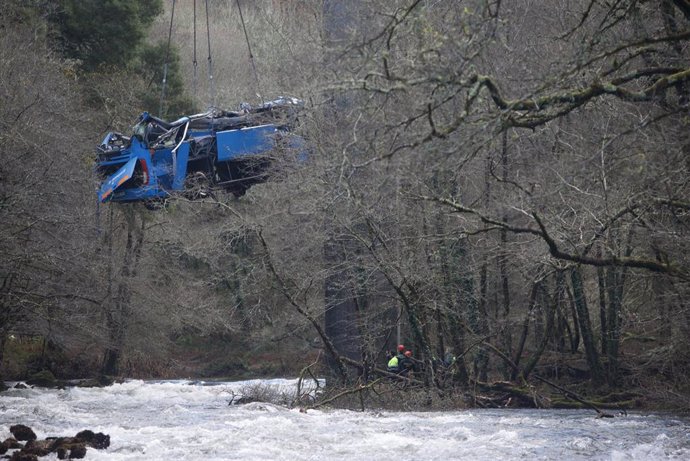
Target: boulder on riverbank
{"x": 98, "y": 441}
{"x": 45, "y": 378}
{"x": 22, "y": 432}
{"x": 64, "y": 447}
{"x": 9, "y": 444}
{"x": 99, "y": 381}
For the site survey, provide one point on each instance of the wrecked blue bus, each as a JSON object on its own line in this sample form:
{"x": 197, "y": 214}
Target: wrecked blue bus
{"x": 197, "y": 154}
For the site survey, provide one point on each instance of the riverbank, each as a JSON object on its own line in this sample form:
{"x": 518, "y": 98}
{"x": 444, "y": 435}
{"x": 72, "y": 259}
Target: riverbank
{"x": 29, "y": 361}
{"x": 407, "y": 396}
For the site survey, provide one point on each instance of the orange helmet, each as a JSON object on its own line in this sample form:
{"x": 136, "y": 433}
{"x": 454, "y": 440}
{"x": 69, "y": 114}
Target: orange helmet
{"x": 401, "y": 348}
{"x": 408, "y": 353}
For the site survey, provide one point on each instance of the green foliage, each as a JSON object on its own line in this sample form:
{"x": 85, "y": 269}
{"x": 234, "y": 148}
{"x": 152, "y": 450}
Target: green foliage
{"x": 105, "y": 35}
{"x": 19, "y": 12}
{"x": 98, "y": 32}
{"x": 43, "y": 378}
{"x": 151, "y": 65}
{"x": 18, "y": 355}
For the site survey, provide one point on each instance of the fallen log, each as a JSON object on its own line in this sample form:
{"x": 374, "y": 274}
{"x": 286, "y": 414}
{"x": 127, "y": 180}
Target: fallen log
{"x": 509, "y": 394}
{"x": 577, "y": 398}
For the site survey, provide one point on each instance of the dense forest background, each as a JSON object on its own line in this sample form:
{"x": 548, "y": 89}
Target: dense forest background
{"x": 505, "y": 182}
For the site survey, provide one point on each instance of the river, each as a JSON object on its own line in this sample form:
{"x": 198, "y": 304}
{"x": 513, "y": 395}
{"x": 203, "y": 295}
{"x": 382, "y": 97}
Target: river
{"x": 186, "y": 420}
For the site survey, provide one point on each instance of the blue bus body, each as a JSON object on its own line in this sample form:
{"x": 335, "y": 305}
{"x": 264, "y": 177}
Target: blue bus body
{"x": 214, "y": 150}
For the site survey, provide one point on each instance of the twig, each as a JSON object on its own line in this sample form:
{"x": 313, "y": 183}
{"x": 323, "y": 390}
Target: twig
{"x": 305, "y": 370}
{"x": 359, "y": 388}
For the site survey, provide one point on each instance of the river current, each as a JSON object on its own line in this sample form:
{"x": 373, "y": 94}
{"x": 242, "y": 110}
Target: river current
{"x": 185, "y": 420}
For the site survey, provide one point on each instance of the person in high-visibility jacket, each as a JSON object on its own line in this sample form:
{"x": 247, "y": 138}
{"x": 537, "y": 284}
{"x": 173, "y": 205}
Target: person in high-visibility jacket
{"x": 393, "y": 366}
{"x": 394, "y": 362}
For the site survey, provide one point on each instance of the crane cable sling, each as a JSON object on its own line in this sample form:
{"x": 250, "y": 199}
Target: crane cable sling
{"x": 212, "y": 88}
{"x": 194, "y": 61}
{"x": 167, "y": 59}
{"x": 249, "y": 47}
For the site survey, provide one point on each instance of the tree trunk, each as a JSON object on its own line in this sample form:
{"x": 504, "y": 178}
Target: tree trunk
{"x": 479, "y": 322}
{"x": 506, "y": 334}
{"x": 558, "y": 334}
{"x": 588, "y": 340}
{"x": 469, "y": 301}
{"x": 457, "y": 291}
{"x": 3, "y": 341}
{"x": 603, "y": 322}
{"x": 118, "y": 315}
{"x": 612, "y": 275}
{"x": 575, "y": 333}
{"x": 525, "y": 326}
{"x": 547, "y": 334}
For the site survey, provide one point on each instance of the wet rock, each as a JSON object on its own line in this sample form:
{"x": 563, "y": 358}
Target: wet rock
{"x": 71, "y": 451}
{"x": 22, "y": 432}
{"x": 98, "y": 441}
{"x": 62, "y": 442}
{"x": 105, "y": 380}
{"x": 20, "y": 386}
{"x": 77, "y": 451}
{"x": 44, "y": 378}
{"x": 62, "y": 452}
{"x": 70, "y": 447}
{"x": 19, "y": 456}
{"x": 9, "y": 444}
{"x": 100, "y": 381}
{"x": 37, "y": 447}
{"x": 65, "y": 447}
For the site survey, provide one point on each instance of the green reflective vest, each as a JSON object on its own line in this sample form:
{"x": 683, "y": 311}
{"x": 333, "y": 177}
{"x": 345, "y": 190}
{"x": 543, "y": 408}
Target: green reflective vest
{"x": 393, "y": 363}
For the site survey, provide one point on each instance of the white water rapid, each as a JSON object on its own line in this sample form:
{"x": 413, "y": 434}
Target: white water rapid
{"x": 184, "y": 420}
